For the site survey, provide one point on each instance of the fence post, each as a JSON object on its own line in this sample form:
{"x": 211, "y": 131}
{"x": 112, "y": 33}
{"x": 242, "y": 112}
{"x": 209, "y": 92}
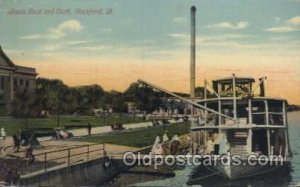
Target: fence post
{"x": 45, "y": 161}
{"x": 69, "y": 156}
{"x": 104, "y": 152}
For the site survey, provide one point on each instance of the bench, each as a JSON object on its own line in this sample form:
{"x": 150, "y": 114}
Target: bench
{"x": 117, "y": 126}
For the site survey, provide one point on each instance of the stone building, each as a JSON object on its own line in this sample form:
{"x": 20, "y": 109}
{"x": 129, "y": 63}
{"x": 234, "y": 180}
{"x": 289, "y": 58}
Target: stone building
{"x": 12, "y": 78}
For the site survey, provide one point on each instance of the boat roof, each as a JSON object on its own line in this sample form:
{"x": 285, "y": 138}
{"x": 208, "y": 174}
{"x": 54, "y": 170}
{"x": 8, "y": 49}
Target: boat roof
{"x": 237, "y": 79}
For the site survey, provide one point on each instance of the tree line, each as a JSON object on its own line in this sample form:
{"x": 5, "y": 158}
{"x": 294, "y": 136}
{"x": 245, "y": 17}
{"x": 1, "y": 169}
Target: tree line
{"x": 52, "y": 96}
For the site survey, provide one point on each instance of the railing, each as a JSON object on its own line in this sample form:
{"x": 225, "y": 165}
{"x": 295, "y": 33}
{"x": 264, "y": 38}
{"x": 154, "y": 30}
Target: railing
{"x": 63, "y": 157}
{"x": 258, "y": 111}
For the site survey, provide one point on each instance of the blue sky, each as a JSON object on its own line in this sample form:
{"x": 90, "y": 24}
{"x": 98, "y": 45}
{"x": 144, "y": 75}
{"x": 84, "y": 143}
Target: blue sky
{"x": 153, "y": 24}
{"x": 249, "y": 37}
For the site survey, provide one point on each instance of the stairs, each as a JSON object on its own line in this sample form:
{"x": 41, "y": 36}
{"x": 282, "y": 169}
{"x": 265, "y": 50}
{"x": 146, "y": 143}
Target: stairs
{"x": 238, "y": 142}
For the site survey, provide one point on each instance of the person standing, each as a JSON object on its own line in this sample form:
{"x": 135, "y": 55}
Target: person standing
{"x": 89, "y": 128}
{"x": 3, "y": 133}
{"x": 29, "y": 155}
{"x": 224, "y": 146}
{"x": 17, "y": 142}
{"x": 209, "y": 146}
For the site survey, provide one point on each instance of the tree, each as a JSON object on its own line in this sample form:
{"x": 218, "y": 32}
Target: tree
{"x": 144, "y": 98}
{"x": 94, "y": 93}
{"x": 84, "y": 98}
{"x": 25, "y": 105}
{"x": 51, "y": 94}
{"x": 115, "y": 100}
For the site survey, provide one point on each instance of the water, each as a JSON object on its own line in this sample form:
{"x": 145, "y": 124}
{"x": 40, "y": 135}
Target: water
{"x": 292, "y": 179}
{"x": 294, "y": 132}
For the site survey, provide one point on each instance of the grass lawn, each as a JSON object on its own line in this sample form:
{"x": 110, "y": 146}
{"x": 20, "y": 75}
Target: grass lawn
{"x": 13, "y": 125}
{"x": 141, "y": 137}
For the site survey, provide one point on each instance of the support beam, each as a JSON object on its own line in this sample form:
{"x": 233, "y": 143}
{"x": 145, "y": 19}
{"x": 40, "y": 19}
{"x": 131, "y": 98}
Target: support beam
{"x": 205, "y": 103}
{"x": 234, "y": 98}
{"x": 193, "y": 142}
{"x": 268, "y": 130}
{"x": 220, "y": 111}
{"x": 269, "y": 142}
{"x": 249, "y": 141}
{"x": 250, "y": 111}
{"x": 287, "y": 143}
{"x": 183, "y": 99}
{"x": 284, "y": 117}
{"x": 267, "y": 112}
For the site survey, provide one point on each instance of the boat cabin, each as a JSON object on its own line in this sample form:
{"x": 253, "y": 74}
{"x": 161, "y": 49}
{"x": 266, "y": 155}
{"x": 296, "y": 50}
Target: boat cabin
{"x": 224, "y": 87}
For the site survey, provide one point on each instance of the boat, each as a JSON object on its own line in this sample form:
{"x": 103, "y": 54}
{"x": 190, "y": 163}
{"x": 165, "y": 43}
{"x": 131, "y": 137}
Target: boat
{"x": 234, "y": 118}
{"x": 243, "y": 123}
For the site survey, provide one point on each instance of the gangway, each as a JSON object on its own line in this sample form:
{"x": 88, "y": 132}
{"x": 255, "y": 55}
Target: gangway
{"x": 189, "y": 101}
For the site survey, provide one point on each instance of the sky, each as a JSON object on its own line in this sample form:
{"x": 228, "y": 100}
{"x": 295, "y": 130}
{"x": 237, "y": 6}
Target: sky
{"x": 114, "y": 43}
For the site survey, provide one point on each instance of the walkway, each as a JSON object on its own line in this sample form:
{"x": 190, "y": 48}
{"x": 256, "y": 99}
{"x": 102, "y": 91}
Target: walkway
{"x": 105, "y": 129}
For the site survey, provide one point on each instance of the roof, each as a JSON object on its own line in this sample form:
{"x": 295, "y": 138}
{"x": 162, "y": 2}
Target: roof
{"x": 6, "y": 63}
{"x": 4, "y": 60}
{"x": 25, "y": 70}
{"x": 237, "y": 79}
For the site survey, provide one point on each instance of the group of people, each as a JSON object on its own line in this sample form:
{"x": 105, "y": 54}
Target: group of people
{"x": 165, "y": 146}
{"x": 219, "y": 145}
{"x": 28, "y": 147}
{"x": 63, "y": 134}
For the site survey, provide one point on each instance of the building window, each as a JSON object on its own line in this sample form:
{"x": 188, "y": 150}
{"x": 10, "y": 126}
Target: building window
{"x": 21, "y": 82}
{"x": 15, "y": 82}
{"x": 2, "y": 83}
{"x": 27, "y": 83}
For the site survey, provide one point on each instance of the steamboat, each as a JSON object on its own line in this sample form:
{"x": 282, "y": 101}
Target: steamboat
{"x": 252, "y": 126}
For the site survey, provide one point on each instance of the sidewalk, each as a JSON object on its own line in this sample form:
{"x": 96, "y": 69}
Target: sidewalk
{"x": 105, "y": 129}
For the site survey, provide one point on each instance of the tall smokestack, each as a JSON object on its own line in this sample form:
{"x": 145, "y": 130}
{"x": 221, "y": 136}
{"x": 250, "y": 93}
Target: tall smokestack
{"x": 193, "y": 51}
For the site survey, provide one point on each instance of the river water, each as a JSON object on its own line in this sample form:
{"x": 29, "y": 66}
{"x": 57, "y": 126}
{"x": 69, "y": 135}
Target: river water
{"x": 288, "y": 179}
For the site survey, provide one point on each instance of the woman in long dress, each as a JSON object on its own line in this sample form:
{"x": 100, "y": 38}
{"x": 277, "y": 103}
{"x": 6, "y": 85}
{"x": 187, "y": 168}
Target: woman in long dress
{"x": 157, "y": 147}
